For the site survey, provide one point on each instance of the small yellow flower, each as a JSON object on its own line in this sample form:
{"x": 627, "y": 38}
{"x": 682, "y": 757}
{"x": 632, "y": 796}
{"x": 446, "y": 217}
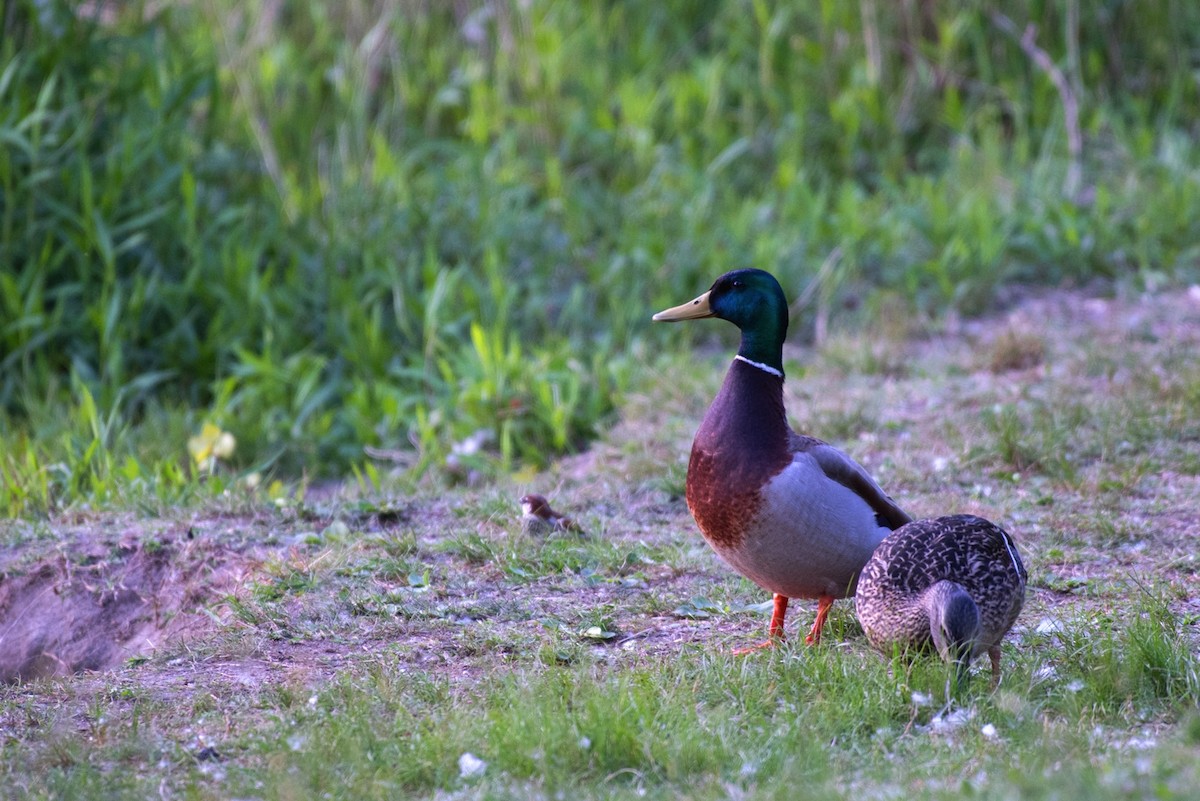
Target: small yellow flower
{"x": 210, "y": 445}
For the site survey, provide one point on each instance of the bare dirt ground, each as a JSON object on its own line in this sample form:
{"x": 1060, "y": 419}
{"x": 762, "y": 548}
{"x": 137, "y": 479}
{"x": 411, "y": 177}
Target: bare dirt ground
{"x": 1071, "y": 420}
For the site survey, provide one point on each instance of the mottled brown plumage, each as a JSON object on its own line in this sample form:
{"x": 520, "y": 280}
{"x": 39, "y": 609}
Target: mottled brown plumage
{"x": 953, "y": 583}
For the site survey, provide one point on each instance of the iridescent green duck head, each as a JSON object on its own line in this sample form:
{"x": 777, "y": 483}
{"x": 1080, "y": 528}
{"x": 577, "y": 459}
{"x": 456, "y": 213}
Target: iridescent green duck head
{"x": 754, "y": 302}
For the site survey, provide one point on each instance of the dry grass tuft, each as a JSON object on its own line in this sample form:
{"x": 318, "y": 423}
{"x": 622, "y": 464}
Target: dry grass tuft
{"x": 1016, "y": 349}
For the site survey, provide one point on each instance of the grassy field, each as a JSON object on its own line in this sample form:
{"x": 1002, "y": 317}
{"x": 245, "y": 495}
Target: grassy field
{"x": 396, "y": 223}
{"x": 297, "y": 299}
{"x": 384, "y": 644}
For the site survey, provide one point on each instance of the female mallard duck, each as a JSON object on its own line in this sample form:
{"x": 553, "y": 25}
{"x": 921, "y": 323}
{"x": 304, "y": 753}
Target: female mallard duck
{"x": 954, "y": 582}
{"x": 790, "y": 512}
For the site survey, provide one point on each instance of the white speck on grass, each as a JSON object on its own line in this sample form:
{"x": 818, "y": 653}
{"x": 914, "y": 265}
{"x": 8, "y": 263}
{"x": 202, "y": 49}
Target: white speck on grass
{"x": 470, "y": 766}
{"x": 948, "y": 722}
{"x": 1075, "y": 685}
{"x": 585, "y": 743}
{"x": 1050, "y": 626}
{"x": 337, "y": 528}
{"x": 940, "y": 463}
{"x": 1140, "y": 743}
{"x": 296, "y": 741}
{"x": 1045, "y": 673}
{"x": 988, "y": 731}
{"x": 921, "y": 699}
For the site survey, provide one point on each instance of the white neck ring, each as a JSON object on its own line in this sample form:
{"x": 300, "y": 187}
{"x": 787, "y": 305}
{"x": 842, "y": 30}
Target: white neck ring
{"x": 766, "y": 368}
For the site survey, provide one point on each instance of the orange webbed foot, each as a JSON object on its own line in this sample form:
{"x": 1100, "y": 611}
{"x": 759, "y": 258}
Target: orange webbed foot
{"x": 775, "y": 631}
{"x": 750, "y": 649}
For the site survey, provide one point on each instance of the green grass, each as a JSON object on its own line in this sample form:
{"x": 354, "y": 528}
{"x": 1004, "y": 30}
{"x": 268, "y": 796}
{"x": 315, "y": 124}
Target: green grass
{"x": 392, "y": 225}
{"x": 405, "y": 254}
{"x": 370, "y": 638}
{"x": 833, "y": 721}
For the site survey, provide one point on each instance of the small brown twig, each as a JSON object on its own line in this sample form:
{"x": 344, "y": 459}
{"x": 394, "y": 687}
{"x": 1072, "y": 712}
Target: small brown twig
{"x": 1070, "y": 100}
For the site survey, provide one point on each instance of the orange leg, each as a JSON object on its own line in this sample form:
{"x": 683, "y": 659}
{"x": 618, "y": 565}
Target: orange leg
{"x": 777, "y": 616}
{"x": 824, "y": 603}
{"x": 776, "y": 629}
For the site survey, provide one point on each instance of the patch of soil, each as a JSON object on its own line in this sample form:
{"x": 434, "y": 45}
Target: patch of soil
{"x": 122, "y": 588}
{"x": 96, "y": 609}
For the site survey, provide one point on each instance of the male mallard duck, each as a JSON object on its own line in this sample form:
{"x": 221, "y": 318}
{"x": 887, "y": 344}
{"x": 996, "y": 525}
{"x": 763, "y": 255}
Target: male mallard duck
{"x": 538, "y": 518}
{"x": 956, "y": 582}
{"x": 790, "y": 512}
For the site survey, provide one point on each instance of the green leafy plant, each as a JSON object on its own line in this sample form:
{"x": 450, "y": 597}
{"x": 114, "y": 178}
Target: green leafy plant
{"x": 332, "y": 229}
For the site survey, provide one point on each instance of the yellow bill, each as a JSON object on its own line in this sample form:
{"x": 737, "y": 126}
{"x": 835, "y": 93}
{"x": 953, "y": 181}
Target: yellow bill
{"x": 692, "y": 310}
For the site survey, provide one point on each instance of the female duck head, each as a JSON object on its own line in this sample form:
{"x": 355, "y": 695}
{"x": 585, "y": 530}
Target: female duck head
{"x": 954, "y": 625}
{"x": 754, "y": 302}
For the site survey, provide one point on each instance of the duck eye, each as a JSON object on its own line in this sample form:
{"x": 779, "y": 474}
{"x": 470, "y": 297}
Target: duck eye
{"x": 737, "y": 283}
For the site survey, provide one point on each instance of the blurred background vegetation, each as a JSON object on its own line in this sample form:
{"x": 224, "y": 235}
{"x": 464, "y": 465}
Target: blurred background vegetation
{"x": 395, "y": 223}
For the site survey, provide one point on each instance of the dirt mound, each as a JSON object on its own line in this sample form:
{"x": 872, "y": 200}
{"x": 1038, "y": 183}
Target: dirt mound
{"x": 94, "y": 610}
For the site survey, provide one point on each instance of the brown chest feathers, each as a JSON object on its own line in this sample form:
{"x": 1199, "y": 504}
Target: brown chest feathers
{"x": 722, "y": 504}
{"x": 741, "y": 445}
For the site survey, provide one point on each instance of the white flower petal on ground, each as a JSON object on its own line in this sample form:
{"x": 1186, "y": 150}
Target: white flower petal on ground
{"x": 470, "y": 766}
